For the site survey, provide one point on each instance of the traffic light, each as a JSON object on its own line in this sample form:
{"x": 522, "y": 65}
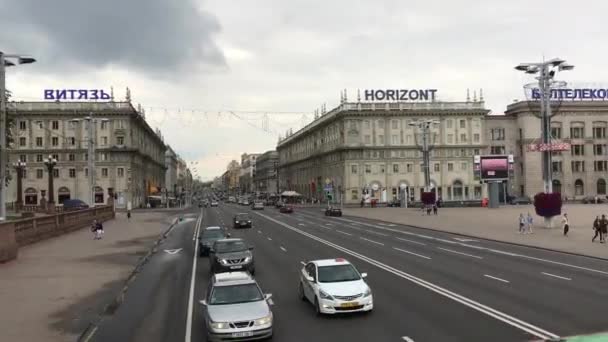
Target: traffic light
{"x": 329, "y": 195}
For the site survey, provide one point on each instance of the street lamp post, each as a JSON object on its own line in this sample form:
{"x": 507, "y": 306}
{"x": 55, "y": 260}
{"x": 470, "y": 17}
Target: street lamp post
{"x": 546, "y": 72}
{"x": 19, "y": 167}
{"x": 6, "y": 60}
{"x": 425, "y": 127}
{"x": 50, "y": 163}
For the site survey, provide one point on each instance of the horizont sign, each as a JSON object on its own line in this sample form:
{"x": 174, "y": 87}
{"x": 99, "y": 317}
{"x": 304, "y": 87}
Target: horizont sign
{"x": 400, "y": 94}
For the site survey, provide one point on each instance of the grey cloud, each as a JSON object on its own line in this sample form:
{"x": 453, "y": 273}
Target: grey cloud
{"x": 163, "y": 36}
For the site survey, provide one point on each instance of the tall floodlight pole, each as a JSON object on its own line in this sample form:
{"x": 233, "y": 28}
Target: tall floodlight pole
{"x": 6, "y": 60}
{"x": 425, "y": 146}
{"x": 546, "y": 72}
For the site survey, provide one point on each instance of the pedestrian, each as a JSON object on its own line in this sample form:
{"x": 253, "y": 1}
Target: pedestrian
{"x": 597, "y": 228}
{"x": 362, "y": 202}
{"x": 435, "y": 209}
{"x": 530, "y": 223}
{"x": 603, "y": 229}
{"x": 428, "y": 210}
{"x": 94, "y": 229}
{"x": 522, "y": 223}
{"x": 566, "y": 224}
{"x": 129, "y": 214}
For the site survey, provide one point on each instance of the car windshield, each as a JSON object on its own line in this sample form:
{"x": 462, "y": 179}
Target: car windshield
{"x": 235, "y": 294}
{"x": 230, "y": 246}
{"x": 337, "y": 273}
{"x": 213, "y": 234}
{"x": 242, "y": 217}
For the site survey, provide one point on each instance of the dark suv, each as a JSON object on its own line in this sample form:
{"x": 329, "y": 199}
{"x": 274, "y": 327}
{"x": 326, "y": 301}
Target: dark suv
{"x": 242, "y": 220}
{"x": 229, "y": 255}
{"x": 207, "y": 238}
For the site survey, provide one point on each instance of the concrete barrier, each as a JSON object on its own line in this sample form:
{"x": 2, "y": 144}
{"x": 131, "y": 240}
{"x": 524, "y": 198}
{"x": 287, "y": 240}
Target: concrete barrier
{"x": 16, "y": 233}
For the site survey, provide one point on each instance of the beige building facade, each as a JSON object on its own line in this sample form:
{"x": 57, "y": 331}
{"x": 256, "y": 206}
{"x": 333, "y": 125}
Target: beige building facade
{"x": 130, "y": 155}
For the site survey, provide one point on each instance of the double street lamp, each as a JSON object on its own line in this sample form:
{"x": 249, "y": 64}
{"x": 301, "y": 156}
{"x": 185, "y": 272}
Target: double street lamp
{"x": 425, "y": 146}
{"x": 50, "y": 163}
{"x": 19, "y": 167}
{"x": 6, "y": 60}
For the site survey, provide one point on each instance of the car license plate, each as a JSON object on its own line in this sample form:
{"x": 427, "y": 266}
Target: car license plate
{"x": 242, "y": 334}
{"x": 349, "y": 304}
{"x": 243, "y": 223}
{"x": 235, "y": 267}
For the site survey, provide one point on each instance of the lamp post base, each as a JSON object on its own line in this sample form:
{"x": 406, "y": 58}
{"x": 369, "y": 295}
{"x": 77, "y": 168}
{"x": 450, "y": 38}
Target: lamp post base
{"x": 50, "y": 208}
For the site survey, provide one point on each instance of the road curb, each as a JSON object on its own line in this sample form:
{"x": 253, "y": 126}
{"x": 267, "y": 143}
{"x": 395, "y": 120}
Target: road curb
{"x": 489, "y": 239}
{"x": 109, "y": 309}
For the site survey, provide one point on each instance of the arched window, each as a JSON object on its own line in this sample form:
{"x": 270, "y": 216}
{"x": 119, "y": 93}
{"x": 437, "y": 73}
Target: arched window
{"x": 31, "y": 196}
{"x": 579, "y": 188}
{"x": 557, "y": 186}
{"x": 98, "y": 194}
{"x": 63, "y": 194}
{"x": 457, "y": 190}
{"x": 601, "y": 186}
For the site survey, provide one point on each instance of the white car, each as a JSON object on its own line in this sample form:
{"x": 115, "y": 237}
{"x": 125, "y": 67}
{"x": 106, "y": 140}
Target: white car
{"x": 335, "y": 286}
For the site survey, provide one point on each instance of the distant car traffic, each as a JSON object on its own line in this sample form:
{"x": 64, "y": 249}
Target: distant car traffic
{"x": 242, "y": 220}
{"x": 394, "y": 203}
{"x": 279, "y": 204}
{"x": 208, "y": 237}
{"x": 245, "y": 202}
{"x": 286, "y": 209}
{"x": 258, "y": 205}
{"x": 74, "y": 204}
{"x": 591, "y": 200}
{"x": 236, "y": 309}
{"x": 214, "y": 203}
{"x": 334, "y": 286}
{"x": 521, "y": 200}
{"x": 229, "y": 255}
{"x": 333, "y": 211}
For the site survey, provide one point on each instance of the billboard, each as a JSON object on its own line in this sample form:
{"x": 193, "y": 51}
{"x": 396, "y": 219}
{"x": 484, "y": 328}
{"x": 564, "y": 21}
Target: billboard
{"x": 494, "y": 168}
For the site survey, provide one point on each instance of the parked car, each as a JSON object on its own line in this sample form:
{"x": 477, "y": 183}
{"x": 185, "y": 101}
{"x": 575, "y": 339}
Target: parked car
{"x": 591, "y": 200}
{"x": 229, "y": 255}
{"x": 258, "y": 205}
{"x": 279, "y": 204}
{"x": 74, "y": 204}
{"x": 236, "y": 309}
{"x": 242, "y": 220}
{"x": 214, "y": 203}
{"x": 286, "y": 209}
{"x": 394, "y": 203}
{"x": 333, "y": 211}
{"x": 521, "y": 200}
{"x": 208, "y": 237}
{"x": 245, "y": 202}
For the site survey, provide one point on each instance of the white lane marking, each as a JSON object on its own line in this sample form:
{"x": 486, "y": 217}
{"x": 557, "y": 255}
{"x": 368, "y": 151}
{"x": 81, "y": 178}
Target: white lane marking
{"x": 496, "y": 278}
{"x": 465, "y": 240}
{"x": 373, "y": 232}
{"x": 345, "y": 233}
{"x": 412, "y": 241}
{"x": 191, "y": 295}
{"x": 452, "y": 251}
{"x": 412, "y": 253}
{"x": 301, "y": 224}
{"x": 325, "y": 227}
{"x": 501, "y": 316}
{"x": 269, "y": 239}
{"x": 556, "y": 276}
{"x": 173, "y": 251}
{"x": 283, "y": 249}
{"x": 354, "y": 227}
{"x": 372, "y": 241}
{"x": 406, "y": 339}
{"x": 303, "y": 263}
{"x": 197, "y": 227}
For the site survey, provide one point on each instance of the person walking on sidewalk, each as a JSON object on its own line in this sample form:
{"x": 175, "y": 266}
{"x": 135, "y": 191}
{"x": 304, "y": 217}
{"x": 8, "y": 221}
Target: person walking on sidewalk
{"x": 522, "y": 223}
{"x": 597, "y": 228}
{"x": 603, "y": 229}
{"x": 129, "y": 214}
{"x": 529, "y": 224}
{"x": 97, "y": 229}
{"x": 566, "y": 224}
{"x": 435, "y": 209}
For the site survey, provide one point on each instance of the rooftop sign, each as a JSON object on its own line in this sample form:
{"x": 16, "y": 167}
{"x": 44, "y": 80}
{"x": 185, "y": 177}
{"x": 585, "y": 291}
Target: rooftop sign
{"x": 400, "y": 94}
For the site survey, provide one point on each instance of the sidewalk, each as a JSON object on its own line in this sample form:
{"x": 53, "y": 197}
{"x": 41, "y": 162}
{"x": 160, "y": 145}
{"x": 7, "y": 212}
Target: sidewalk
{"x": 502, "y": 225}
{"x": 57, "y": 286}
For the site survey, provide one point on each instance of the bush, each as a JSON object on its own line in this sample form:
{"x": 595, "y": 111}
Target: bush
{"x": 428, "y": 198}
{"x": 548, "y": 205}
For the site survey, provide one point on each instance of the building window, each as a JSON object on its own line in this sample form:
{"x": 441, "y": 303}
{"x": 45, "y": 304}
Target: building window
{"x": 39, "y": 141}
{"x": 353, "y": 169}
{"x": 599, "y": 150}
{"x": 120, "y": 124}
{"x": 395, "y": 124}
{"x": 39, "y": 158}
{"x": 577, "y": 132}
{"x": 381, "y": 139}
{"x": 382, "y": 169}
{"x": 86, "y": 157}
{"x": 366, "y": 124}
{"x": 55, "y": 156}
{"x": 104, "y": 172}
{"x": 497, "y": 150}
{"x": 22, "y": 141}
{"x": 450, "y": 138}
{"x": 477, "y": 192}
{"x": 601, "y": 187}
{"x": 578, "y": 166}
{"x": 395, "y": 139}
{"x": 354, "y": 194}
{"x": 72, "y": 173}
{"x": 55, "y": 141}
{"x": 408, "y": 139}
{"x": 71, "y": 124}
{"x": 104, "y": 141}
{"x": 476, "y": 137}
{"x": 577, "y": 150}
{"x": 71, "y": 157}
{"x": 120, "y": 172}
{"x": 55, "y": 125}
{"x": 463, "y": 166}
{"x": 557, "y": 166}
{"x": 23, "y": 125}
{"x": 55, "y": 173}
{"x": 579, "y": 188}
{"x": 23, "y": 158}
{"x": 395, "y": 168}
{"x": 104, "y": 124}
{"x": 104, "y": 156}
{"x": 39, "y": 173}
{"x": 437, "y": 167}
{"x": 367, "y": 139}
{"x": 463, "y": 123}
{"x": 600, "y": 165}
{"x": 72, "y": 141}
{"x": 463, "y": 138}
{"x": 457, "y": 190}
{"x": 599, "y": 132}
{"x": 86, "y": 172}
{"x": 556, "y": 132}
{"x": 409, "y": 167}
{"x": 450, "y": 167}
{"x": 449, "y": 123}
{"x": 368, "y": 168}
{"x": 120, "y": 141}
{"x": 497, "y": 134}
{"x": 476, "y": 151}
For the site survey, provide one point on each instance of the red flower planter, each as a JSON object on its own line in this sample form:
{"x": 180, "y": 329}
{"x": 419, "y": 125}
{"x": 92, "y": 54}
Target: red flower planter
{"x": 548, "y": 205}
{"x": 428, "y": 198}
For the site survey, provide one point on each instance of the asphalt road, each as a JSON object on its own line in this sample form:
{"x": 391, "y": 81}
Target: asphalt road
{"x": 427, "y": 286}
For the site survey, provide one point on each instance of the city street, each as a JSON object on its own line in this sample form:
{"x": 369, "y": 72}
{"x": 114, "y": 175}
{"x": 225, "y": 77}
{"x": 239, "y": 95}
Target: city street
{"x": 427, "y": 286}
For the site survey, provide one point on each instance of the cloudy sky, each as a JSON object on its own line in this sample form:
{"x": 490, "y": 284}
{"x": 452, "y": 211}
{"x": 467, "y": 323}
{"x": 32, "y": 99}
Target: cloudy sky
{"x": 222, "y": 77}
